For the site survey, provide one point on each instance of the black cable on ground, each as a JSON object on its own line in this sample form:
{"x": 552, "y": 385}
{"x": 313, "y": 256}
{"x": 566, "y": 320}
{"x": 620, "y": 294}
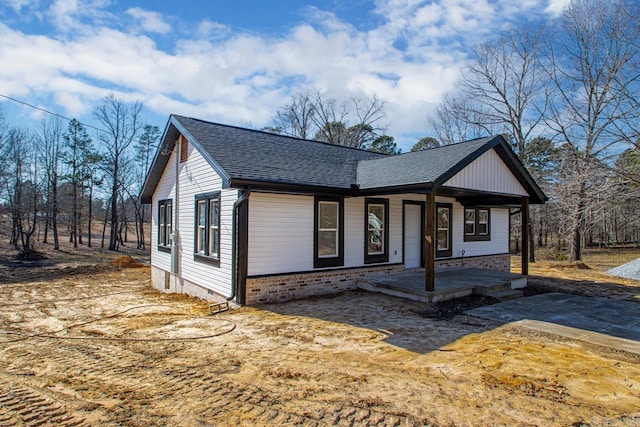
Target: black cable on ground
{"x": 26, "y": 336}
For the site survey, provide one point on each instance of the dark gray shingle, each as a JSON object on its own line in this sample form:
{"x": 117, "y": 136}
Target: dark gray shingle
{"x": 260, "y": 156}
{"x": 427, "y": 166}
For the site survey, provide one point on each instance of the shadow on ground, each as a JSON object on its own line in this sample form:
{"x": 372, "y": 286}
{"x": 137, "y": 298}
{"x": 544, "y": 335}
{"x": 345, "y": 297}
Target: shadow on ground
{"x": 414, "y": 326}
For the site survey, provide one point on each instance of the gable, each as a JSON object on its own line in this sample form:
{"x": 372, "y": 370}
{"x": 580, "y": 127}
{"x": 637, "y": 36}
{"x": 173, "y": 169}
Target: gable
{"x": 487, "y": 173}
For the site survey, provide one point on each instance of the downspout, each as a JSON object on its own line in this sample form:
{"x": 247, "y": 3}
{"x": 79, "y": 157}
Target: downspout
{"x": 235, "y": 265}
{"x": 176, "y": 220}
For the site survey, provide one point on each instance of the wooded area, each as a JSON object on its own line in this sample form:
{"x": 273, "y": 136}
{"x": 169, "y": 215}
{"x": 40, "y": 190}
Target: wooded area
{"x": 563, "y": 92}
{"x": 56, "y": 178}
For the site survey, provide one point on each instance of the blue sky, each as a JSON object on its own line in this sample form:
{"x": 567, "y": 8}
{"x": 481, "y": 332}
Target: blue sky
{"x": 237, "y": 61}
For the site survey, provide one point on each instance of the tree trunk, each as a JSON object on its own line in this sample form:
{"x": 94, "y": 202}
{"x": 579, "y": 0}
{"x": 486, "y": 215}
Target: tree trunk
{"x": 104, "y": 225}
{"x": 113, "y": 236}
{"x": 74, "y": 220}
{"x": 576, "y": 226}
{"x": 90, "y": 215}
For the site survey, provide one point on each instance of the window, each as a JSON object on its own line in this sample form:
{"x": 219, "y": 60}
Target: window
{"x": 476, "y": 224}
{"x": 443, "y": 230}
{"x": 164, "y": 224}
{"x": 329, "y": 232}
{"x": 376, "y": 230}
{"x": 207, "y": 227}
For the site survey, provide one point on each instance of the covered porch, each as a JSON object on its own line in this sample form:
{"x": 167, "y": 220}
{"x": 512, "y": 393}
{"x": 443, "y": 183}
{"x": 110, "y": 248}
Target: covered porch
{"x": 448, "y": 284}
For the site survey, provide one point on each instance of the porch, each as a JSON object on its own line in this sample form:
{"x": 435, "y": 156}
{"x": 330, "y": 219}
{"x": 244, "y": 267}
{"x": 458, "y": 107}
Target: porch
{"x": 449, "y": 284}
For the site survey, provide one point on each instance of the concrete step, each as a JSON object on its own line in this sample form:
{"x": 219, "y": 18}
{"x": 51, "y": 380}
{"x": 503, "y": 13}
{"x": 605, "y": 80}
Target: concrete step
{"x": 491, "y": 289}
{"x": 507, "y": 294}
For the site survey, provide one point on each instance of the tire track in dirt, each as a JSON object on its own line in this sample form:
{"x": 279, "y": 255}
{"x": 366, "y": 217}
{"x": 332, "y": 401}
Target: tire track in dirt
{"x": 111, "y": 372}
{"x": 23, "y": 405}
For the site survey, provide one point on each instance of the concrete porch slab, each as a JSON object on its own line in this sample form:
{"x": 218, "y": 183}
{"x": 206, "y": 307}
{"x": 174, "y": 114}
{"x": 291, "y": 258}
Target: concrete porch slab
{"x": 449, "y": 284}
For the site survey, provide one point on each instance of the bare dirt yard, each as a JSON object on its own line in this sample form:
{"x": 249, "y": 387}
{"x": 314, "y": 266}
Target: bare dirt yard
{"x": 84, "y": 340}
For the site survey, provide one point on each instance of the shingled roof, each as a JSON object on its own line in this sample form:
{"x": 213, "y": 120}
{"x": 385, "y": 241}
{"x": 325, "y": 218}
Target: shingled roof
{"x": 245, "y": 157}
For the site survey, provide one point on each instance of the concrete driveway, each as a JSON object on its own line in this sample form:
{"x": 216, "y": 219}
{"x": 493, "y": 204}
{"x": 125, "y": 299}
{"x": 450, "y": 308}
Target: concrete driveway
{"x": 600, "y": 321}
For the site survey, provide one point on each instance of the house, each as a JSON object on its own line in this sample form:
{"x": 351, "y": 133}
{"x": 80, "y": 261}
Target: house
{"x": 256, "y": 217}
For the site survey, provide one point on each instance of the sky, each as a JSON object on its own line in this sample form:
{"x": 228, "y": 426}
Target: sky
{"x": 236, "y": 62}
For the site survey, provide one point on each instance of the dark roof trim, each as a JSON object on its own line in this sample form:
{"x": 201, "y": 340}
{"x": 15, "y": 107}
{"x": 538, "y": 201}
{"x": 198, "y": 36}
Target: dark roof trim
{"x": 287, "y": 188}
{"x": 171, "y": 133}
{"x": 354, "y": 191}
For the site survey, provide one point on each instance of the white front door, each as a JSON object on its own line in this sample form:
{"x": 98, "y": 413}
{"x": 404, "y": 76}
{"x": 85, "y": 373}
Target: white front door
{"x": 412, "y": 235}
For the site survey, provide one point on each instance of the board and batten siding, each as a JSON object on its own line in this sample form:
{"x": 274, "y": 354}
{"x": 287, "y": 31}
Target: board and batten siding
{"x": 281, "y": 232}
{"x": 195, "y": 177}
{"x": 487, "y": 173}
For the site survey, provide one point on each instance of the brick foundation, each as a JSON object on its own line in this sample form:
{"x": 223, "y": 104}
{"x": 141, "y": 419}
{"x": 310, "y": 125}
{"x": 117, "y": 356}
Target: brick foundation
{"x": 286, "y": 287}
{"x": 296, "y": 286}
{"x": 488, "y": 262}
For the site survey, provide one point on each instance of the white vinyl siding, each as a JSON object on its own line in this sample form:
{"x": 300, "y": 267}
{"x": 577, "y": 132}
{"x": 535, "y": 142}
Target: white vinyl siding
{"x": 499, "y": 233}
{"x": 280, "y": 233}
{"x": 196, "y": 177}
{"x": 487, "y": 173}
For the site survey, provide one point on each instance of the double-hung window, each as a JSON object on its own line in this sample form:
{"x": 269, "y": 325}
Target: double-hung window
{"x": 164, "y": 224}
{"x": 443, "y": 230}
{"x": 376, "y": 230}
{"x": 329, "y": 232}
{"x": 477, "y": 224}
{"x": 207, "y": 227}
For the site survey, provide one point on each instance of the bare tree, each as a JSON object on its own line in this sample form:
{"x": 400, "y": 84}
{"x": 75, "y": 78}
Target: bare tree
{"x": 122, "y": 124}
{"x": 352, "y": 123}
{"x": 50, "y": 142}
{"x": 505, "y": 80}
{"x": 22, "y": 189}
{"x": 296, "y": 118}
{"x": 457, "y": 118}
{"x": 593, "y": 53}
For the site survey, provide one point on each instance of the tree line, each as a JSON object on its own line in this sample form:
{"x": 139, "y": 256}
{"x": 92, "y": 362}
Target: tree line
{"x": 55, "y": 179}
{"x": 564, "y": 93}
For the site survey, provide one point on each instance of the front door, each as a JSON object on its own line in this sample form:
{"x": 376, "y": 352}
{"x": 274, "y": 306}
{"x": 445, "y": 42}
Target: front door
{"x": 412, "y": 235}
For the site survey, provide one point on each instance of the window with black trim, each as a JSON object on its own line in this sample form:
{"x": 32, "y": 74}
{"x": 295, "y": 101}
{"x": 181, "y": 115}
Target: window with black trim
{"x": 207, "y": 227}
{"x": 477, "y": 224}
{"x": 443, "y": 230}
{"x": 328, "y": 233}
{"x": 376, "y": 248}
{"x": 164, "y": 224}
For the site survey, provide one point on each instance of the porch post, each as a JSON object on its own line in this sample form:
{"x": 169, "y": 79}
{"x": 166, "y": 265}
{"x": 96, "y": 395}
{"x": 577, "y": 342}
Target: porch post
{"x": 525, "y": 235}
{"x": 429, "y": 241}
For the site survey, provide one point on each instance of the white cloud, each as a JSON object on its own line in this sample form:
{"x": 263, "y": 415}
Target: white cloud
{"x": 556, "y": 7}
{"x": 150, "y": 21}
{"x": 210, "y": 29}
{"x": 216, "y": 74}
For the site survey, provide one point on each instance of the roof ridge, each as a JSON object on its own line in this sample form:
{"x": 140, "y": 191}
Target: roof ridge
{"x": 280, "y": 135}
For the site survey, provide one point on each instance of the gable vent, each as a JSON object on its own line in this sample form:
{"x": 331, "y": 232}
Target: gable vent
{"x": 184, "y": 149}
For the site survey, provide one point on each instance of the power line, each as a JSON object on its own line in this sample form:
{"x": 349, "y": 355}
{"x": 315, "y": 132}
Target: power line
{"x": 44, "y": 110}
{"x": 50, "y": 112}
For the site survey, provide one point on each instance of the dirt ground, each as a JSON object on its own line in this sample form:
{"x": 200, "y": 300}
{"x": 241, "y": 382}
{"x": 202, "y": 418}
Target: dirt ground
{"x": 87, "y": 344}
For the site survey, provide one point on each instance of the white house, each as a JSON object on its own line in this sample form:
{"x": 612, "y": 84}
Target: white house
{"x": 256, "y": 217}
